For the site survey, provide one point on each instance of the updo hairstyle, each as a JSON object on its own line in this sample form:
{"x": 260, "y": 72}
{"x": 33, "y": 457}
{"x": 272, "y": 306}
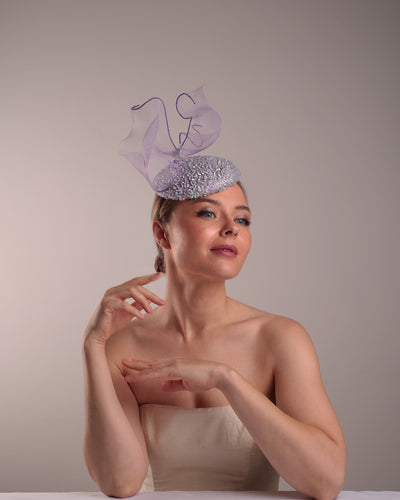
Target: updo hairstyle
{"x": 162, "y": 211}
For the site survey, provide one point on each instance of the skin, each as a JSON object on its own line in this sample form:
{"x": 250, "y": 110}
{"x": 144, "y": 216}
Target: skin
{"x": 200, "y": 348}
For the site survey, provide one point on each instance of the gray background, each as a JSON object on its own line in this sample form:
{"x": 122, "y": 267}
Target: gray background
{"x": 309, "y": 96}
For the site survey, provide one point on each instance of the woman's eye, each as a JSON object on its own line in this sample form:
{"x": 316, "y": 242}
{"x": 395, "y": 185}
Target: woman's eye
{"x": 243, "y": 221}
{"x": 208, "y": 214}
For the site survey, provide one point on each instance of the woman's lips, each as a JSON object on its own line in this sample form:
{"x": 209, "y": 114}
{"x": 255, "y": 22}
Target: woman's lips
{"x": 225, "y": 250}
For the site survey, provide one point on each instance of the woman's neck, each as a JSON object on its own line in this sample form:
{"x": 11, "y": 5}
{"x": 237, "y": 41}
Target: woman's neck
{"x": 194, "y": 305}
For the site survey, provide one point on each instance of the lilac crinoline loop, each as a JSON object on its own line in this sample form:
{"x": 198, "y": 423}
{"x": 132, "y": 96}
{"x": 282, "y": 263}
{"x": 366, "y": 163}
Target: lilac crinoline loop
{"x": 150, "y": 148}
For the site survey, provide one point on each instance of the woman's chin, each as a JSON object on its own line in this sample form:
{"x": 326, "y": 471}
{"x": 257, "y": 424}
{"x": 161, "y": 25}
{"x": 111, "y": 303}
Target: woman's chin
{"x": 217, "y": 271}
{"x": 223, "y": 273}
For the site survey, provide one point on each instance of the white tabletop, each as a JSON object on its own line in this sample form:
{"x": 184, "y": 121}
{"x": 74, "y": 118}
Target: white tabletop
{"x": 202, "y": 495}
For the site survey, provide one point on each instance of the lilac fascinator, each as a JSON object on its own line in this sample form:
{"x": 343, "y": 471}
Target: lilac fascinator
{"x": 172, "y": 171}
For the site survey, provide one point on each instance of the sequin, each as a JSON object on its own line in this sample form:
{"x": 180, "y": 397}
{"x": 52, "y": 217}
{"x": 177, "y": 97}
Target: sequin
{"x": 195, "y": 177}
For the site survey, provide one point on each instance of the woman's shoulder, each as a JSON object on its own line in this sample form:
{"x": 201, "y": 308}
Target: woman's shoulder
{"x": 267, "y": 320}
{"x": 287, "y": 342}
{"x": 275, "y": 329}
{"x": 137, "y": 335}
{"x": 123, "y": 341}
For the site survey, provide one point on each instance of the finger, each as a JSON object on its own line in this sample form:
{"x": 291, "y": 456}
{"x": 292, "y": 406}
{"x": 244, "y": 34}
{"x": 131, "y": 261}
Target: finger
{"x": 155, "y": 300}
{"x": 138, "y": 297}
{"x": 173, "y": 386}
{"x": 163, "y": 367}
{"x": 137, "y": 305}
{"x": 146, "y": 374}
{"x": 141, "y": 280}
{"x": 144, "y": 280}
{"x": 139, "y": 300}
{"x": 131, "y": 309}
{"x": 151, "y": 296}
{"x": 135, "y": 364}
{"x": 149, "y": 277}
{"x": 133, "y": 290}
{"x": 118, "y": 305}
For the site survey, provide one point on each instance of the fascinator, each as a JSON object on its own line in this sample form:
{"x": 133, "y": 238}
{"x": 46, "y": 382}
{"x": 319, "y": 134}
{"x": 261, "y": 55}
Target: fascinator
{"x": 175, "y": 171}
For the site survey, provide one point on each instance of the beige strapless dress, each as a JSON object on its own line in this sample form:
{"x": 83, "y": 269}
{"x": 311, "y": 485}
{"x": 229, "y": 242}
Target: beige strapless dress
{"x": 202, "y": 449}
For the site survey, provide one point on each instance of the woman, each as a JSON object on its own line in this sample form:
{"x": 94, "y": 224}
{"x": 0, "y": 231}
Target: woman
{"x": 227, "y": 394}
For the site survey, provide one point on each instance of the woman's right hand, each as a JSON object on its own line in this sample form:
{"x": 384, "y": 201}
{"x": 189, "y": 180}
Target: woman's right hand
{"x": 114, "y": 313}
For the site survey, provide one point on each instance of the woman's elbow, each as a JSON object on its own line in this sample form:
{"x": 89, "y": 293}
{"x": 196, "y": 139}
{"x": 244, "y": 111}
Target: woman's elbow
{"x": 121, "y": 490}
{"x": 328, "y": 493}
{"x": 121, "y": 485}
{"x": 332, "y": 486}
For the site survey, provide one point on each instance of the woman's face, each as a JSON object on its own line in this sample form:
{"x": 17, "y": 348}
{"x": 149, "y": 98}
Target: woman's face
{"x": 211, "y": 235}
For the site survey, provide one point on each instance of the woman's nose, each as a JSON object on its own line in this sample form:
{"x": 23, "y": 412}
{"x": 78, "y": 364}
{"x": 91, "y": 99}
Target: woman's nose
{"x": 230, "y": 228}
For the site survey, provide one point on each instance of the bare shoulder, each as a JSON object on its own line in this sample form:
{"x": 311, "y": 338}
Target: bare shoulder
{"x": 134, "y": 340}
{"x": 244, "y": 313}
{"x": 283, "y": 340}
{"x": 289, "y": 344}
{"x": 280, "y": 332}
{"x": 120, "y": 344}
{"x": 285, "y": 333}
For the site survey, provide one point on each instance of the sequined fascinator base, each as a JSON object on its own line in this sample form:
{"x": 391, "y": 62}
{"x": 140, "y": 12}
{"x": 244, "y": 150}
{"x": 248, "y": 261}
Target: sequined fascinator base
{"x": 176, "y": 172}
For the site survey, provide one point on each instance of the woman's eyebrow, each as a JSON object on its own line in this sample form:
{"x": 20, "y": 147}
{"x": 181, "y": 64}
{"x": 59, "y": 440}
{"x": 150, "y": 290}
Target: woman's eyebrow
{"x": 243, "y": 207}
{"x": 216, "y": 202}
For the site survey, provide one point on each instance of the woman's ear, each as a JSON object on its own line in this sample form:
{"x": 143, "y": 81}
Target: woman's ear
{"x": 160, "y": 235}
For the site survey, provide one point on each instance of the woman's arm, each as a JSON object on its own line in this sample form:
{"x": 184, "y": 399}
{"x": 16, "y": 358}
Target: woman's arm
{"x": 300, "y": 435}
{"x": 114, "y": 445}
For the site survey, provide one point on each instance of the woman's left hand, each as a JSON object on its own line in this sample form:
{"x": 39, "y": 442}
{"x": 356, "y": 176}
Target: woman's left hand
{"x": 182, "y": 374}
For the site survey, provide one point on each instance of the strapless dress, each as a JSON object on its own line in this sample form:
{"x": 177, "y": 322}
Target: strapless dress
{"x": 196, "y": 449}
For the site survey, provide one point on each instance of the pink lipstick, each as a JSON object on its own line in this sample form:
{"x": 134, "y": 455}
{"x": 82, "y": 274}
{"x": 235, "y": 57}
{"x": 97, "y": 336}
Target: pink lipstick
{"x": 225, "y": 250}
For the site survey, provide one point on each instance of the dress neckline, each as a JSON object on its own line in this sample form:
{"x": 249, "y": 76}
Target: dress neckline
{"x": 175, "y": 407}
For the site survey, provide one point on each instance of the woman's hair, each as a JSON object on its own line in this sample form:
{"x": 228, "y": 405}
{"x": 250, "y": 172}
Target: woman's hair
{"x": 162, "y": 211}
